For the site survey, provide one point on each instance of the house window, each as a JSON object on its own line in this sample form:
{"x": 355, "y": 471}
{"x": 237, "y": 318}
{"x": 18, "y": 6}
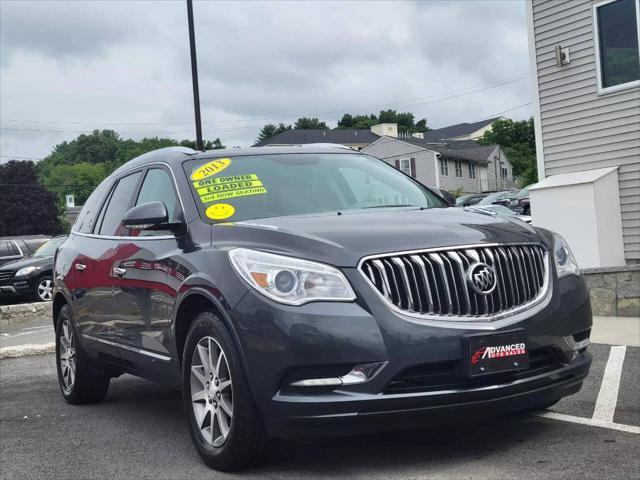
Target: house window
{"x": 503, "y": 172}
{"x": 458, "y": 165}
{"x": 616, "y": 25}
{"x": 472, "y": 170}
{"x": 405, "y": 166}
{"x": 444, "y": 167}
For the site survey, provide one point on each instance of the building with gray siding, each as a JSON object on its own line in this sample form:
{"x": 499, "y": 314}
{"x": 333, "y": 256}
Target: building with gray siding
{"x": 586, "y": 73}
{"x": 449, "y": 165}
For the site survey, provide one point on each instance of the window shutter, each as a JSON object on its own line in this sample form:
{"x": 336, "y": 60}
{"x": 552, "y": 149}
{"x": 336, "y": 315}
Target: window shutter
{"x": 413, "y": 167}
{"x": 398, "y": 164}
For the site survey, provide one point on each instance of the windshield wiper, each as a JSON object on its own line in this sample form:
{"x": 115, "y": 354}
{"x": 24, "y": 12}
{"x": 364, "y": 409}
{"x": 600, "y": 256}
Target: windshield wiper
{"x": 390, "y": 206}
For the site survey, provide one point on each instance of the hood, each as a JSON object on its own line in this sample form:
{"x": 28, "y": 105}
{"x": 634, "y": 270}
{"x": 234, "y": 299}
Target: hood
{"x": 342, "y": 240}
{"x": 28, "y": 262}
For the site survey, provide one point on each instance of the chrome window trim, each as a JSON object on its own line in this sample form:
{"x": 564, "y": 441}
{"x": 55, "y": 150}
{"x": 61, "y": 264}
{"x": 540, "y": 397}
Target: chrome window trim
{"x": 142, "y": 168}
{"x": 542, "y": 295}
{"x": 18, "y": 247}
{"x": 127, "y": 347}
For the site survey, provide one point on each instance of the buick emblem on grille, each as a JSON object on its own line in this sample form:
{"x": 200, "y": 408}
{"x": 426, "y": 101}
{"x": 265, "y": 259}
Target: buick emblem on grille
{"x": 482, "y": 278}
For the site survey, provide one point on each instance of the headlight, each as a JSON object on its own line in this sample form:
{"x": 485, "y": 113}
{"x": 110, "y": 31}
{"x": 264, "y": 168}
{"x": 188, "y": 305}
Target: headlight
{"x": 565, "y": 261}
{"x": 25, "y": 271}
{"x": 290, "y": 280}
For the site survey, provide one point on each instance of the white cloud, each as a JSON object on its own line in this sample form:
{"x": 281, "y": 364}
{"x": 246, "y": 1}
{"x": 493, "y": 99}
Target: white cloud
{"x": 85, "y": 65}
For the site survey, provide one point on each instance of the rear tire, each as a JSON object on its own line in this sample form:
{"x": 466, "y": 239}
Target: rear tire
{"x": 223, "y": 420}
{"x": 78, "y": 381}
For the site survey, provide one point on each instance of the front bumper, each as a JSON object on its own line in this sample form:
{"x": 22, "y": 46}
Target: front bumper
{"x": 343, "y": 413}
{"x": 279, "y": 342}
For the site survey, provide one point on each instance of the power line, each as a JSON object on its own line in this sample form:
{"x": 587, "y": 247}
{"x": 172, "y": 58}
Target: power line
{"x": 17, "y": 157}
{"x": 500, "y": 113}
{"x": 413, "y": 101}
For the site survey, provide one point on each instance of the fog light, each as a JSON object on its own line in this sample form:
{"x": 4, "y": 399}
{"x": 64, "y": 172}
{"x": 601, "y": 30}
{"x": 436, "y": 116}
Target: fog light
{"x": 358, "y": 374}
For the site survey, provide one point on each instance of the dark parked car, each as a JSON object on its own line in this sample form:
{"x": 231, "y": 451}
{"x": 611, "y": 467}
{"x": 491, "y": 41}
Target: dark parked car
{"x": 496, "y": 197}
{"x": 502, "y": 210}
{"x": 32, "y": 276}
{"x": 468, "y": 200}
{"x": 15, "y": 248}
{"x": 448, "y": 196}
{"x": 302, "y": 291}
{"x": 519, "y": 202}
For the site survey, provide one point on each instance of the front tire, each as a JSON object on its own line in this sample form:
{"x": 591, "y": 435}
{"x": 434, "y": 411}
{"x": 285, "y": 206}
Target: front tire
{"x": 222, "y": 418}
{"x": 78, "y": 381}
{"x": 43, "y": 290}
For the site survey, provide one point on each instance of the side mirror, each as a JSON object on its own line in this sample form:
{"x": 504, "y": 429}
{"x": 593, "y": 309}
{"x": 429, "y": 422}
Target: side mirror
{"x": 150, "y": 216}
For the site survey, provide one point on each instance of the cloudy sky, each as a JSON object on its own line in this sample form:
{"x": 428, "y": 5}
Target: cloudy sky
{"x": 69, "y": 67}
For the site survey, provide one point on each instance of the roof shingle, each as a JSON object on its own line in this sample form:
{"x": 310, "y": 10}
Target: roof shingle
{"x": 458, "y": 130}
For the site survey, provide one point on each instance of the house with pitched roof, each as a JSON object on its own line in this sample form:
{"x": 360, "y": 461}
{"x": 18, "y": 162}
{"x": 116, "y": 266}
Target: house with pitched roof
{"x": 449, "y": 158}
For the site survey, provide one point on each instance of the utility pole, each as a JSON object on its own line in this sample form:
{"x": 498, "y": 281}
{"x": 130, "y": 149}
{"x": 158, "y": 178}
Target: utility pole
{"x": 194, "y": 76}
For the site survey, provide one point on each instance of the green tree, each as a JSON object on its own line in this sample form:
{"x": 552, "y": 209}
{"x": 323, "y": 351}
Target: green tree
{"x": 80, "y": 165}
{"x": 518, "y": 140}
{"x": 271, "y": 130}
{"x": 26, "y": 207}
{"x": 79, "y": 179}
{"x": 357, "y": 121}
{"x": 307, "y": 123}
{"x": 421, "y": 126}
{"x": 406, "y": 121}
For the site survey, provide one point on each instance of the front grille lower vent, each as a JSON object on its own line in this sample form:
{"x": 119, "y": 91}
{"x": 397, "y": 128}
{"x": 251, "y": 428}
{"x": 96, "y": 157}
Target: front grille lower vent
{"x": 446, "y": 375}
{"x": 5, "y": 276}
{"x": 437, "y": 283}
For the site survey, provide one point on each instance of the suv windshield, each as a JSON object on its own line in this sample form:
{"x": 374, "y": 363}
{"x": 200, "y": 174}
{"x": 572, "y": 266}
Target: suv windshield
{"x": 243, "y": 188}
{"x": 49, "y": 248}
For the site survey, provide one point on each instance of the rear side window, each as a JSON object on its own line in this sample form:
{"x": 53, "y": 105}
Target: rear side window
{"x": 87, "y": 217}
{"x": 8, "y": 249}
{"x": 117, "y": 206}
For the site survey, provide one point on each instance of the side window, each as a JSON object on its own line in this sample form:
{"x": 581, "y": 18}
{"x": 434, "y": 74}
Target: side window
{"x": 158, "y": 187}
{"x": 87, "y": 217}
{"x": 118, "y": 205}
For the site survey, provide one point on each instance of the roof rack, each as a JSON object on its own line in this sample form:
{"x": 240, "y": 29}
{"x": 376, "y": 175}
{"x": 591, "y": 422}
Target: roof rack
{"x": 323, "y": 145}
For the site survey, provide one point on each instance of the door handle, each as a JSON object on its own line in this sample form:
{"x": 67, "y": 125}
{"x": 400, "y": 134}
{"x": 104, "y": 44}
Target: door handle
{"x": 80, "y": 267}
{"x": 120, "y": 272}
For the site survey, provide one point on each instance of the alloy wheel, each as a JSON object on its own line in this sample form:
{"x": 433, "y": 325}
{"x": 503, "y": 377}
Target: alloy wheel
{"x": 45, "y": 289}
{"x": 67, "y": 356}
{"x": 211, "y": 392}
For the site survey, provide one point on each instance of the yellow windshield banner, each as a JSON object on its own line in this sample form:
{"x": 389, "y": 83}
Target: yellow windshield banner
{"x": 220, "y": 188}
{"x": 211, "y": 168}
{"x": 212, "y": 197}
{"x": 217, "y": 184}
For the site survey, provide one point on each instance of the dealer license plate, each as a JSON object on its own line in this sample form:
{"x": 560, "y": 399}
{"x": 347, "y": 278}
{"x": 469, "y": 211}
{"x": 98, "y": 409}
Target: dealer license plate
{"x": 500, "y": 352}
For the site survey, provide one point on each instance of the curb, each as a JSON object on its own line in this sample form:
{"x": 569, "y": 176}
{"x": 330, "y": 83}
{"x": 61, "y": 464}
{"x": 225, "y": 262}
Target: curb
{"x": 27, "y": 350}
{"x": 11, "y": 315}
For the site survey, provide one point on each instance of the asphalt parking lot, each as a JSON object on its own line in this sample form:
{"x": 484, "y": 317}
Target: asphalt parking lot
{"x": 139, "y": 432}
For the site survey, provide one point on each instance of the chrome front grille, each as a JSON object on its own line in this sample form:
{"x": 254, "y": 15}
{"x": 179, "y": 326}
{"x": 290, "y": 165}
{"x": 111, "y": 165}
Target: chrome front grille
{"x": 437, "y": 283}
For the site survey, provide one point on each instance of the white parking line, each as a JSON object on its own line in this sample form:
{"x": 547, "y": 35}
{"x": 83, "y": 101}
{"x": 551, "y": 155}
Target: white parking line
{"x": 22, "y": 333}
{"x": 608, "y": 397}
{"x": 607, "y": 400}
{"x": 592, "y": 422}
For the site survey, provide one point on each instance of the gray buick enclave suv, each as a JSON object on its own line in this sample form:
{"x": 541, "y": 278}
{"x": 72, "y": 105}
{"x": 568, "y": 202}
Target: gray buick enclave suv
{"x": 311, "y": 291}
